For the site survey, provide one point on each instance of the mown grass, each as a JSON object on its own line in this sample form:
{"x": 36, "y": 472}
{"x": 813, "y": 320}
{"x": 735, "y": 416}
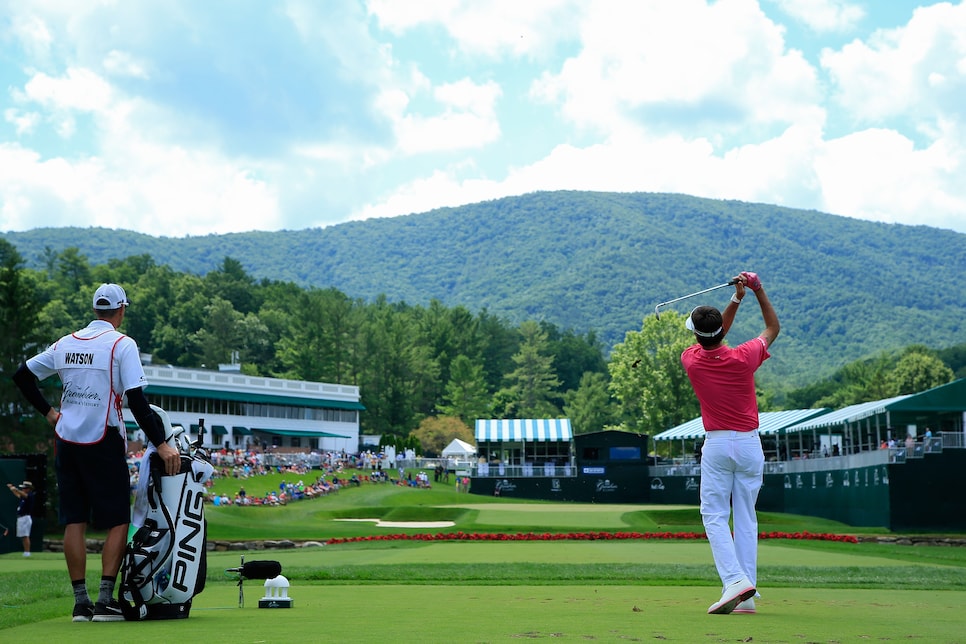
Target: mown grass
{"x": 36, "y": 589}
{"x": 317, "y": 519}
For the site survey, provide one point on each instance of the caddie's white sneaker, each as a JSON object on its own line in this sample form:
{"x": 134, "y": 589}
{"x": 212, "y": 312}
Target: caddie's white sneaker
{"x": 747, "y": 607}
{"x": 734, "y": 593}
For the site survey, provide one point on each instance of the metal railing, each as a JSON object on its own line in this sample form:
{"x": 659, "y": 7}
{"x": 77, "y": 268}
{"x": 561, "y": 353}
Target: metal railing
{"x": 527, "y": 470}
{"x": 899, "y": 454}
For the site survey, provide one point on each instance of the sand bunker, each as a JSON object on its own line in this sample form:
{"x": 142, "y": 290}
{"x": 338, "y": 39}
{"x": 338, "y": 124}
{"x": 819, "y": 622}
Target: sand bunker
{"x": 406, "y": 524}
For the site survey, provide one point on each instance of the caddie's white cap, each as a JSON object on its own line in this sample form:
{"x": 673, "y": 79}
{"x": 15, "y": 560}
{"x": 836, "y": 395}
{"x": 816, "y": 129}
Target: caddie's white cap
{"x": 108, "y": 297}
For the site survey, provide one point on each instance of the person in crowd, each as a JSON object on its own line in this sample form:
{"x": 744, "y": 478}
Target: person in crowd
{"x": 25, "y": 509}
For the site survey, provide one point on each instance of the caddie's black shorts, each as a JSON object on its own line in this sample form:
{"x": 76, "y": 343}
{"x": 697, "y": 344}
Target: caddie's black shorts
{"x": 93, "y": 482}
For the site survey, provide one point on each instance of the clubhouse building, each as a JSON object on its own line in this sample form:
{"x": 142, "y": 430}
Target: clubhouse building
{"x": 240, "y": 411}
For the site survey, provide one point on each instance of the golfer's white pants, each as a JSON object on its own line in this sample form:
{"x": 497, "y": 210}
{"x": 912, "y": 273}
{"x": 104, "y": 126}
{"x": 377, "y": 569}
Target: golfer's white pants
{"x": 731, "y": 469}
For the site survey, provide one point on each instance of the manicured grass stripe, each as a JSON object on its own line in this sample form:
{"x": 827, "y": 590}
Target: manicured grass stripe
{"x": 487, "y": 613}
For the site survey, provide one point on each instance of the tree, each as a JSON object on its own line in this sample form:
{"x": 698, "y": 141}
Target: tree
{"x": 256, "y": 349}
{"x": 574, "y": 355}
{"x": 861, "y": 381}
{"x": 447, "y": 333}
{"x": 436, "y": 432}
{"x": 397, "y": 373}
{"x": 18, "y": 341}
{"x": 321, "y": 337}
{"x": 220, "y": 336}
{"x": 917, "y": 370}
{"x": 466, "y": 395}
{"x": 174, "y": 337}
{"x": 648, "y": 379}
{"x": 533, "y": 383}
{"x": 590, "y": 406}
{"x": 232, "y": 283}
{"x": 500, "y": 342}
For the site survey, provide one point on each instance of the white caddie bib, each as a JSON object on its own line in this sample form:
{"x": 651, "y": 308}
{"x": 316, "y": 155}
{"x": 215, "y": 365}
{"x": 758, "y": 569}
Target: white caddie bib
{"x": 89, "y": 365}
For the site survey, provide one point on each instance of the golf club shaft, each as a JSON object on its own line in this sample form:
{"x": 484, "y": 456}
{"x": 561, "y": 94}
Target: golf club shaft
{"x": 696, "y": 293}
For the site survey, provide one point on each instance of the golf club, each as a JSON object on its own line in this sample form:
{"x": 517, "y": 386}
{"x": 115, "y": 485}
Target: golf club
{"x": 657, "y": 309}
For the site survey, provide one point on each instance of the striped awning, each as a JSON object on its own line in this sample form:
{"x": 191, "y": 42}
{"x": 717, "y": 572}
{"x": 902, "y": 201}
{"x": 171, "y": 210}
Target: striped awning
{"x": 520, "y": 429}
{"x": 847, "y": 415}
{"x": 769, "y": 422}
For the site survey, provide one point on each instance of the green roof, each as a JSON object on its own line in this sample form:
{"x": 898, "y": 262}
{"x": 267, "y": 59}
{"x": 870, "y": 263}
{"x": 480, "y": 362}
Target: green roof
{"x": 219, "y": 430}
{"x": 241, "y": 431}
{"x": 949, "y": 397}
{"x": 299, "y": 432}
{"x": 316, "y": 403}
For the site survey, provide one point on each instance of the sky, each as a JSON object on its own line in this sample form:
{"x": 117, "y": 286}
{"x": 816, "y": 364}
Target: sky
{"x": 183, "y": 118}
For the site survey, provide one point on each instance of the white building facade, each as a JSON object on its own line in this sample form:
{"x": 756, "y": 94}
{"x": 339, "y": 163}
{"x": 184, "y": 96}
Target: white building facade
{"x": 240, "y": 411}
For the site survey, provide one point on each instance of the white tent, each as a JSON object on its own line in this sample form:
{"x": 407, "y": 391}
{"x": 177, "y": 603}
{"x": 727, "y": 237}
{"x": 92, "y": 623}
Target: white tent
{"x": 458, "y": 449}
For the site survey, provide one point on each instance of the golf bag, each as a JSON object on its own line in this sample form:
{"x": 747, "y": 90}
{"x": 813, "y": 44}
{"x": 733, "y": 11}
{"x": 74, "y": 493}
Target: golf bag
{"x": 165, "y": 562}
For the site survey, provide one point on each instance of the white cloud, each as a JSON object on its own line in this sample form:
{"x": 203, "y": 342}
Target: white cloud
{"x": 440, "y": 189}
{"x": 468, "y": 120}
{"x": 79, "y": 89}
{"x": 824, "y": 15}
{"x": 33, "y": 34}
{"x": 917, "y": 70}
{"x": 23, "y": 122}
{"x": 717, "y": 68}
{"x": 423, "y": 105}
{"x": 130, "y": 181}
{"x": 879, "y": 175}
{"x": 124, "y": 64}
{"x": 161, "y": 191}
{"x": 492, "y": 29}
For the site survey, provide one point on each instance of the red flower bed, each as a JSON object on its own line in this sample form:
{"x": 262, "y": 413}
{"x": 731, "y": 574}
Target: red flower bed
{"x": 579, "y": 536}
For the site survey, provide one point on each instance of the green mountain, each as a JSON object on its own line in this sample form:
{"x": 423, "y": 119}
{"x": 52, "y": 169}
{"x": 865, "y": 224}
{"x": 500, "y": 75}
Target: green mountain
{"x": 843, "y": 288}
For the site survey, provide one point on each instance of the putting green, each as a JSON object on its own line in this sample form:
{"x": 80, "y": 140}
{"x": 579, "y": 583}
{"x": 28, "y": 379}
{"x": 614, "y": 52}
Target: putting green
{"x": 584, "y": 516}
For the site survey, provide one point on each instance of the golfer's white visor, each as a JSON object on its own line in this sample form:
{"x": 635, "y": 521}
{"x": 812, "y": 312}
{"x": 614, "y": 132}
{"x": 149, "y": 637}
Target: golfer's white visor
{"x": 689, "y": 325}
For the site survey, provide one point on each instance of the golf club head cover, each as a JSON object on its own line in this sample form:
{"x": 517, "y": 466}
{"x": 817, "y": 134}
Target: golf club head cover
{"x": 259, "y": 570}
{"x": 753, "y": 282}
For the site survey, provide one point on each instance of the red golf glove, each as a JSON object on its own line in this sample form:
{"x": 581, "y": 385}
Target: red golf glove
{"x": 752, "y": 280}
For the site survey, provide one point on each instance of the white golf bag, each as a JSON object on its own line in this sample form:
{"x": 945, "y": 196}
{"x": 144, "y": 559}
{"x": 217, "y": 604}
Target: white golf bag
{"x": 165, "y": 563}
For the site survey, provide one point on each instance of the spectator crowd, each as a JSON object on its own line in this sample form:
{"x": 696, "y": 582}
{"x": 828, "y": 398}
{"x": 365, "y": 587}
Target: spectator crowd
{"x": 338, "y": 470}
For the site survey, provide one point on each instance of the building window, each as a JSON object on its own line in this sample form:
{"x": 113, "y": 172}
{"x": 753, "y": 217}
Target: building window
{"x": 203, "y": 406}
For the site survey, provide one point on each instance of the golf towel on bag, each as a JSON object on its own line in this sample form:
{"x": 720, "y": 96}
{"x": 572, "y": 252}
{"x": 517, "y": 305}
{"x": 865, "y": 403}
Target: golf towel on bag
{"x": 165, "y": 563}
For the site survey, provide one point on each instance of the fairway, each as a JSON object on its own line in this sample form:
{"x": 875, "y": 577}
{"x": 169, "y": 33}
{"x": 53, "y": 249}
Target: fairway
{"x": 398, "y": 588}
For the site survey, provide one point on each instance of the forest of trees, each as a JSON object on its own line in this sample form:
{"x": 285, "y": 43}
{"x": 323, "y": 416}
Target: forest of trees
{"x": 423, "y": 370}
{"x": 844, "y": 288}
